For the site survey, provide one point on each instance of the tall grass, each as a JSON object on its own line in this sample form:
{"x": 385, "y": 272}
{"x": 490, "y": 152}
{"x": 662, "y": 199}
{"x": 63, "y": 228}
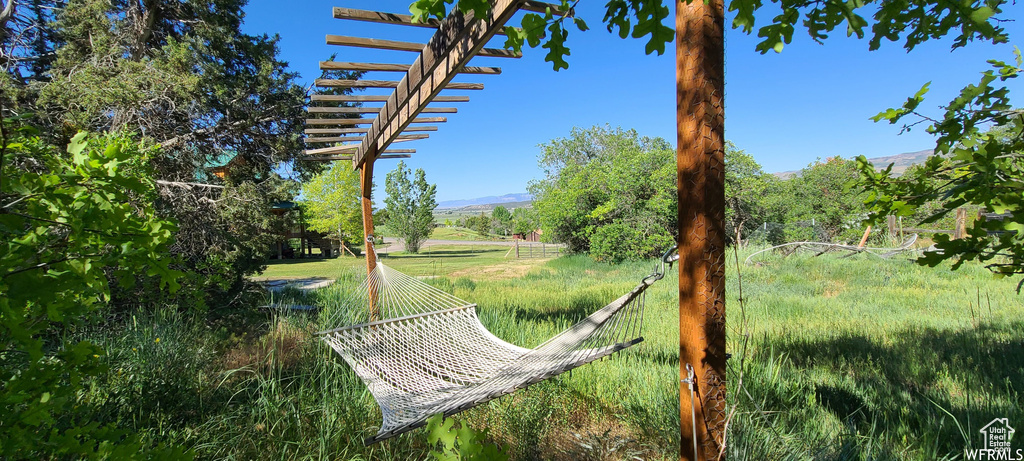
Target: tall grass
{"x": 860, "y": 358}
{"x": 847, "y": 358}
{"x": 263, "y": 387}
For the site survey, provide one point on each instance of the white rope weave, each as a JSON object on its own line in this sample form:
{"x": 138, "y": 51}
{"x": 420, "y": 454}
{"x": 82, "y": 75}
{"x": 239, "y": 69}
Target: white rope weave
{"x": 430, "y": 354}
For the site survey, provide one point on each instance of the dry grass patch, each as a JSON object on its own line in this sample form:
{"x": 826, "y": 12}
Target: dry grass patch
{"x": 833, "y": 288}
{"x": 509, "y": 270}
{"x": 278, "y": 348}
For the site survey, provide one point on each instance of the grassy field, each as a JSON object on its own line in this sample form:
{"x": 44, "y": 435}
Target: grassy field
{"x": 840, "y": 359}
{"x": 461, "y": 233}
{"x": 476, "y": 261}
{"x": 867, "y": 359}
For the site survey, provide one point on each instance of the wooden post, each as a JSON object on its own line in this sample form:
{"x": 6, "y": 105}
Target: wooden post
{"x": 700, "y": 158}
{"x": 517, "y": 248}
{"x": 366, "y": 186}
{"x": 864, "y": 239}
{"x": 303, "y": 245}
{"x": 890, "y": 221}
{"x": 961, "y": 224}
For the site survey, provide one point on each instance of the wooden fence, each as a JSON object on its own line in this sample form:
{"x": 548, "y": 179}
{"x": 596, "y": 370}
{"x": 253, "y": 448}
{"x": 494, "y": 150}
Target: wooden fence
{"x": 524, "y": 249}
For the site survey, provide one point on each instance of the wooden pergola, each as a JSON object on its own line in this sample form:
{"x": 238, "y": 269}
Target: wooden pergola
{"x": 407, "y": 115}
{"x": 459, "y": 38}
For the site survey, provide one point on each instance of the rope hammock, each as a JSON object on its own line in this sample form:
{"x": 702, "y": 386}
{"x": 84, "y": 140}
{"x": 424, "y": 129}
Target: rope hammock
{"x": 430, "y": 354}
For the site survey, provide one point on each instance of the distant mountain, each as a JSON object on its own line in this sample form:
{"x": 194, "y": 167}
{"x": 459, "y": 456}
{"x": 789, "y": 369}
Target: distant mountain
{"x": 492, "y": 200}
{"x": 900, "y": 163}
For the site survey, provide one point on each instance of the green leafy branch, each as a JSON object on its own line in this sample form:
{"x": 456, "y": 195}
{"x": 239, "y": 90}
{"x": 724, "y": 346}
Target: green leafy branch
{"x": 913, "y": 22}
{"x": 71, "y": 222}
{"x": 460, "y": 444}
{"x": 977, "y": 162}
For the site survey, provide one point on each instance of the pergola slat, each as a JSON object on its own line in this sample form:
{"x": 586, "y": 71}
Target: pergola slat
{"x": 339, "y": 121}
{"x": 349, "y": 157}
{"x": 374, "y": 110}
{"x": 458, "y": 39}
{"x": 362, "y": 130}
{"x": 366, "y": 121}
{"x": 331, "y": 83}
{"x": 378, "y": 67}
{"x": 381, "y": 17}
{"x": 376, "y": 98}
{"x": 386, "y": 18}
{"x": 395, "y": 45}
{"x": 404, "y": 137}
{"x": 541, "y": 7}
{"x": 350, "y": 148}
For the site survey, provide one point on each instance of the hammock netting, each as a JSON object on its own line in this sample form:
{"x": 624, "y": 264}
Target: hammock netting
{"x": 430, "y": 354}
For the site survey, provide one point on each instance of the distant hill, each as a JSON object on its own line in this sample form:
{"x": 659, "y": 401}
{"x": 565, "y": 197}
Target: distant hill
{"x": 900, "y": 163}
{"x": 492, "y": 200}
{"x": 442, "y": 214}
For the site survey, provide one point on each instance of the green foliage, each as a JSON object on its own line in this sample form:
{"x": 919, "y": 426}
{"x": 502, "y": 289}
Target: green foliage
{"x": 332, "y": 205}
{"x": 158, "y": 377}
{"x": 747, "y": 201}
{"x": 460, "y": 444}
{"x": 482, "y": 225}
{"x": 890, "y": 20}
{"x": 972, "y": 166}
{"x": 70, "y": 225}
{"x": 502, "y": 214}
{"x": 823, "y": 205}
{"x": 501, "y": 220}
{"x": 618, "y": 241}
{"x": 186, "y": 77}
{"x": 182, "y": 75}
{"x": 410, "y": 206}
{"x": 524, "y": 221}
{"x": 600, "y": 177}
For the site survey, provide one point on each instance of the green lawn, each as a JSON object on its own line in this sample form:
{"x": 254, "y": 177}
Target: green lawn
{"x": 461, "y": 233}
{"x": 474, "y": 261}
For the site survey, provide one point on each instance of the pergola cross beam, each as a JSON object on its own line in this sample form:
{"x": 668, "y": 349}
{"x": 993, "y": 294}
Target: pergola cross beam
{"x": 459, "y": 37}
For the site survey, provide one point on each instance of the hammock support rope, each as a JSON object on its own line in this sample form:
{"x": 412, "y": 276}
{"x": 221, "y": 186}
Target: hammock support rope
{"x": 430, "y": 354}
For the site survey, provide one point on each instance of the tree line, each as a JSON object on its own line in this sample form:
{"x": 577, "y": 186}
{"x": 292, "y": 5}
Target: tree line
{"x": 138, "y": 150}
{"x": 610, "y": 192}
{"x": 502, "y": 221}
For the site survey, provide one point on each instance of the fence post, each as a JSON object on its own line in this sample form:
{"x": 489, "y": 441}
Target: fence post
{"x": 863, "y": 240}
{"x": 366, "y": 187}
{"x": 961, "y": 224}
{"x": 700, "y": 188}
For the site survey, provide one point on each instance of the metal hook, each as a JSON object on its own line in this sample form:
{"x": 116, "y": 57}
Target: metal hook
{"x": 659, "y": 270}
{"x": 691, "y": 381}
{"x": 372, "y": 247}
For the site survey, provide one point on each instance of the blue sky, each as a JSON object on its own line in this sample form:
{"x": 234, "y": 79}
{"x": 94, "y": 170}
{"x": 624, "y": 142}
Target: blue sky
{"x": 810, "y": 101}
